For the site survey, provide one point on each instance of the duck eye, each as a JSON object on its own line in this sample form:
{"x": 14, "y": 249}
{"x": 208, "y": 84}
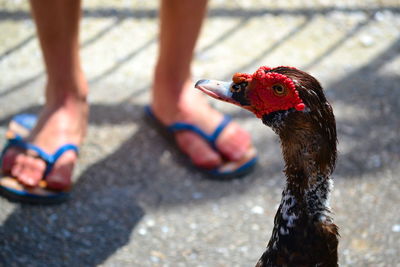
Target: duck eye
{"x": 279, "y": 90}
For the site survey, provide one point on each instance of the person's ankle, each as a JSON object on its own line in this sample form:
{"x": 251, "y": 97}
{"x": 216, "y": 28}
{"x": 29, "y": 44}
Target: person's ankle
{"x": 63, "y": 91}
{"x": 66, "y": 95}
{"x": 66, "y": 99}
{"x": 171, "y": 108}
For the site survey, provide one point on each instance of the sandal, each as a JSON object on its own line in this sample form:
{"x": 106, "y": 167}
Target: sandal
{"x": 10, "y": 187}
{"x": 228, "y": 169}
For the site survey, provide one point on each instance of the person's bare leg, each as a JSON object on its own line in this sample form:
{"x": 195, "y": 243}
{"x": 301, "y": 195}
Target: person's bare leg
{"x": 63, "y": 118}
{"x": 174, "y": 98}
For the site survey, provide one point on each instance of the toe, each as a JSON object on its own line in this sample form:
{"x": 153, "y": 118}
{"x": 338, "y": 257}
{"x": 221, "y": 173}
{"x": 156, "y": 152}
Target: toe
{"x": 233, "y": 142}
{"x": 29, "y": 170}
{"x": 18, "y": 164}
{"x": 8, "y": 160}
{"x": 60, "y": 176}
{"x": 199, "y": 151}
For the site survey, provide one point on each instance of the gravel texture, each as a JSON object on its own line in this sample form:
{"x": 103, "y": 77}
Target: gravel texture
{"x": 137, "y": 201}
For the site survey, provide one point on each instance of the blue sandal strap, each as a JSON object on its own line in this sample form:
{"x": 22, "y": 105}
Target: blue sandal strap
{"x": 221, "y": 126}
{"x": 182, "y": 126}
{"x": 210, "y": 138}
{"x": 49, "y": 159}
{"x": 60, "y": 151}
{"x": 63, "y": 149}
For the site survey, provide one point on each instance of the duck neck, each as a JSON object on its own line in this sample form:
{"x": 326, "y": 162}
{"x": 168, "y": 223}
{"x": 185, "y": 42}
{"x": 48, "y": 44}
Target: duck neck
{"x": 303, "y": 234}
{"x": 303, "y": 207}
{"x": 311, "y": 201}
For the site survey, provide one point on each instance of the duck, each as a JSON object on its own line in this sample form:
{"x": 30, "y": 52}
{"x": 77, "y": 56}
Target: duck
{"x": 292, "y": 103}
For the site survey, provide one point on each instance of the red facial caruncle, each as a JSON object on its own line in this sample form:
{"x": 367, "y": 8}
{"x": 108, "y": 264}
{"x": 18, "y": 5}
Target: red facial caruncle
{"x": 269, "y": 91}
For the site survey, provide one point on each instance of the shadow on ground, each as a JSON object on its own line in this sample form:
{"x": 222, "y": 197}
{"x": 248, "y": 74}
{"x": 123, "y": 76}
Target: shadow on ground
{"x": 374, "y": 96}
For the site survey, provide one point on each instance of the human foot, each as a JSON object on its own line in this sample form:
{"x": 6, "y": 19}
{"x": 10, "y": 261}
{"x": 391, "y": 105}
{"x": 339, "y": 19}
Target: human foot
{"x": 191, "y": 107}
{"x": 59, "y": 123}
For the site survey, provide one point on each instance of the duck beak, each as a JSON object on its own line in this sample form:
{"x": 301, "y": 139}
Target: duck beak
{"x": 217, "y": 89}
{"x": 222, "y": 91}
